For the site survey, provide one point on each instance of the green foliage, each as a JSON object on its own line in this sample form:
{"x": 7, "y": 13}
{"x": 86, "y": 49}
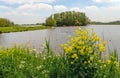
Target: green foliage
{"x": 20, "y": 28}
{"x": 21, "y": 62}
{"x": 70, "y": 18}
{"x": 50, "y": 21}
{"x": 5, "y": 22}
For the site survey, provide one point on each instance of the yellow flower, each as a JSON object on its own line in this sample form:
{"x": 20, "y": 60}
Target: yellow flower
{"x": 116, "y": 63}
{"x": 75, "y": 56}
{"x": 91, "y": 58}
{"x": 81, "y": 52}
{"x": 104, "y": 43}
{"x": 108, "y": 61}
{"x": 85, "y": 62}
{"x": 101, "y": 47}
{"x": 79, "y": 28}
{"x": 104, "y": 65}
{"x": 99, "y": 61}
{"x": 88, "y": 61}
{"x": 71, "y": 62}
{"x": 70, "y": 48}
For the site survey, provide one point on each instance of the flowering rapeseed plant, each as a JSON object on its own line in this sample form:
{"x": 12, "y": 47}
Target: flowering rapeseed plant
{"x": 83, "y": 52}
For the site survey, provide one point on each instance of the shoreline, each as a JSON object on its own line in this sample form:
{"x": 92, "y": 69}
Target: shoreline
{"x": 21, "y": 29}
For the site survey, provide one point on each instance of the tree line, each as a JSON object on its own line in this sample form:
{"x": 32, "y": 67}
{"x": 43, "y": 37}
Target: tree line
{"x": 68, "y": 18}
{"x": 5, "y": 22}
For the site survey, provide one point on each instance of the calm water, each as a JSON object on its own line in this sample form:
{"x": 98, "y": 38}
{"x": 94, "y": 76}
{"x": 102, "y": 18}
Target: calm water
{"x": 57, "y": 36}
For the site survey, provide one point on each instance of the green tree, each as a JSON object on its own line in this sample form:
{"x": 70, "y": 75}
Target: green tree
{"x": 69, "y": 18}
{"x": 5, "y": 22}
{"x": 50, "y": 21}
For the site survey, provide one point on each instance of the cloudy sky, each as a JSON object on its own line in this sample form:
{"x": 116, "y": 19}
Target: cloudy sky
{"x": 36, "y": 11}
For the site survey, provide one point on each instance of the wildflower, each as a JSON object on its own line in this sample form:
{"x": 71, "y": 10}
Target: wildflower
{"x": 116, "y": 63}
{"x": 104, "y": 43}
{"x": 91, "y": 58}
{"x": 99, "y": 61}
{"x": 85, "y": 62}
{"x": 81, "y": 52}
{"x": 104, "y": 65}
{"x": 88, "y": 61}
{"x": 70, "y": 48}
{"x": 108, "y": 61}
{"x": 75, "y": 56}
{"x": 101, "y": 47}
{"x": 79, "y": 28}
{"x": 71, "y": 62}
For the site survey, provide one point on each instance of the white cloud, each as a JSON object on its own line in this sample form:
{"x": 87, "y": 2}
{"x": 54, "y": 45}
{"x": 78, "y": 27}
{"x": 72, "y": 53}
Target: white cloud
{"x": 104, "y": 14}
{"x": 75, "y": 9}
{"x": 108, "y": 1}
{"x": 27, "y": 13}
{"x": 39, "y": 6}
{"x": 5, "y": 8}
{"x": 26, "y": 1}
{"x": 60, "y": 8}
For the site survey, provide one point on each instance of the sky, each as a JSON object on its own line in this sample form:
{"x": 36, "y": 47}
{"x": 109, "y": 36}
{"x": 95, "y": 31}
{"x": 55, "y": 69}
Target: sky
{"x": 36, "y": 11}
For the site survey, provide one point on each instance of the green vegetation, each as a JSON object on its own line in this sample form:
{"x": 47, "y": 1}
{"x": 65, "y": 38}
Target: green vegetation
{"x": 82, "y": 58}
{"x": 7, "y": 26}
{"x": 20, "y": 28}
{"x": 69, "y": 18}
{"x": 5, "y": 22}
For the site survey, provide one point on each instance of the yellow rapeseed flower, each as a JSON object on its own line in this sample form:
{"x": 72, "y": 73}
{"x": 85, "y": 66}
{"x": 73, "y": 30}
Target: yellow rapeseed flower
{"x": 101, "y": 47}
{"x": 108, "y": 61}
{"x": 104, "y": 65}
{"x": 75, "y": 56}
{"x": 104, "y": 43}
{"x": 82, "y": 52}
{"x": 91, "y": 58}
{"x": 116, "y": 63}
{"x": 99, "y": 61}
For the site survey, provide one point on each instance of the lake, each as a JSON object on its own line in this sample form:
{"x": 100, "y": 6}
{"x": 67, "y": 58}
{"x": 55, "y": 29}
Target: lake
{"x": 58, "y": 36}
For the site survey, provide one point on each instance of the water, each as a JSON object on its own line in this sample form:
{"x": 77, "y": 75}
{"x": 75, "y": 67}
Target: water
{"x": 58, "y": 36}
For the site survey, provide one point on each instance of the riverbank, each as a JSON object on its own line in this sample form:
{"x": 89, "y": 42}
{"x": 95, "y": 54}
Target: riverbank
{"x": 20, "y": 28}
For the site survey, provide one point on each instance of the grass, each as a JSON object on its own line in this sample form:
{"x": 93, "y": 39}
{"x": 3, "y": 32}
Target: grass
{"x": 20, "y": 28}
{"x": 82, "y": 58}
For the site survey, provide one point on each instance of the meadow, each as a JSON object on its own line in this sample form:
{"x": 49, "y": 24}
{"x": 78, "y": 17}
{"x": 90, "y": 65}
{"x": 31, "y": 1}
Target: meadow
{"x": 20, "y": 28}
{"x": 82, "y": 58}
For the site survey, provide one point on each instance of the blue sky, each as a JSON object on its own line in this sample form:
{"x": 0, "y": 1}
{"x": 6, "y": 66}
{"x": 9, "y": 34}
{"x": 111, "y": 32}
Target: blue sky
{"x": 34, "y": 11}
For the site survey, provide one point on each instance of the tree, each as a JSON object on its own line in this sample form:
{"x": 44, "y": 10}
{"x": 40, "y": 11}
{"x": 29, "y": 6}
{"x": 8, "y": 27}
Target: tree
{"x": 50, "y": 21}
{"x": 5, "y": 22}
{"x": 69, "y": 18}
